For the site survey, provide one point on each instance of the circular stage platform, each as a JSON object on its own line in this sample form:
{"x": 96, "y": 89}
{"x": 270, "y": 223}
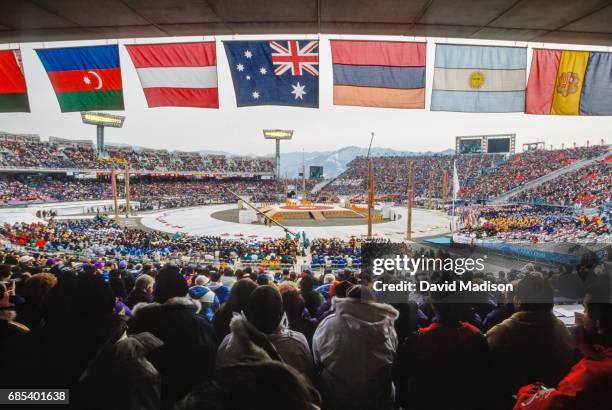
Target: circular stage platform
{"x": 205, "y": 220}
{"x": 315, "y": 207}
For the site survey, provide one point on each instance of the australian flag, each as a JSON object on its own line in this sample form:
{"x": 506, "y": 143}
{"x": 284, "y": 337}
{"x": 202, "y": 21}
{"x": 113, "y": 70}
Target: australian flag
{"x": 279, "y": 72}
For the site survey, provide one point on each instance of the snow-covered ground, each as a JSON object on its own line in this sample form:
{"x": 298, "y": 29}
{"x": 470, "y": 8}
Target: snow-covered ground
{"x": 198, "y": 221}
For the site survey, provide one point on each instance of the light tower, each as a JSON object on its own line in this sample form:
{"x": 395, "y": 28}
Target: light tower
{"x": 278, "y": 135}
{"x": 101, "y": 120}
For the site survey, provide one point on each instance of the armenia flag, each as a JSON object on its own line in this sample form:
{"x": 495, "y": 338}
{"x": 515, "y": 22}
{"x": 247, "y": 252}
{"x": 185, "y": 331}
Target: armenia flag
{"x": 387, "y": 74}
{"x": 563, "y": 82}
{"x": 471, "y": 78}
{"x": 277, "y": 72}
{"x": 13, "y": 90}
{"x": 84, "y": 78}
{"x": 177, "y": 74}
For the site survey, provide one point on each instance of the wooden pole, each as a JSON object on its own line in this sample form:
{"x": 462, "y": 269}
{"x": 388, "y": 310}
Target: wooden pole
{"x": 409, "y": 205}
{"x": 445, "y": 188}
{"x": 127, "y": 190}
{"x": 370, "y": 198}
{"x": 430, "y": 190}
{"x": 114, "y": 184}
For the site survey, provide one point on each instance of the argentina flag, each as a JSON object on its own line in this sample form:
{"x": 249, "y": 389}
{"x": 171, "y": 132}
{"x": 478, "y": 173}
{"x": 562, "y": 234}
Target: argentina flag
{"x": 471, "y": 78}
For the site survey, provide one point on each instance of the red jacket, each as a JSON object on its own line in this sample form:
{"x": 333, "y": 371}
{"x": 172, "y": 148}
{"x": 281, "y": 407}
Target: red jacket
{"x": 587, "y": 386}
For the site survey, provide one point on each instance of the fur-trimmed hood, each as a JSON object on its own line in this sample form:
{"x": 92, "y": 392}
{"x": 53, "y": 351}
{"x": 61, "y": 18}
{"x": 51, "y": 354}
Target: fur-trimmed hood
{"x": 184, "y": 301}
{"x": 243, "y": 333}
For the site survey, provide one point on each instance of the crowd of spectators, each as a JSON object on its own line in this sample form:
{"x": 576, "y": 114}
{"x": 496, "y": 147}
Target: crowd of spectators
{"x": 335, "y": 253}
{"x": 178, "y": 336}
{"x": 150, "y": 192}
{"x": 587, "y": 187}
{"x": 534, "y": 223}
{"x": 483, "y": 176}
{"x": 101, "y": 237}
{"x": 524, "y": 167}
{"x": 48, "y": 155}
{"x": 391, "y": 175}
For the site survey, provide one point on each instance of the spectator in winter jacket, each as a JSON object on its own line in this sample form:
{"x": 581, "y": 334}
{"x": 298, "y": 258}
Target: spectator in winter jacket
{"x": 532, "y": 344}
{"x": 35, "y": 289}
{"x": 312, "y": 298}
{"x": 187, "y": 356}
{"x": 86, "y": 346}
{"x": 206, "y": 298}
{"x": 215, "y": 284}
{"x": 447, "y": 358}
{"x": 501, "y": 312}
{"x": 589, "y": 383}
{"x": 236, "y": 303}
{"x": 355, "y": 348}
{"x": 143, "y": 291}
{"x": 264, "y": 311}
{"x": 297, "y": 314}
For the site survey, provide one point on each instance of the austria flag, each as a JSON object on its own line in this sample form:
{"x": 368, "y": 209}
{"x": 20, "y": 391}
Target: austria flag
{"x": 177, "y": 74}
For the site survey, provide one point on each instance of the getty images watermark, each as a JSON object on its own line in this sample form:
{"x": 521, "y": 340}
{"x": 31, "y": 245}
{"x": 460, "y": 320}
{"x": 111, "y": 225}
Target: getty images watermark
{"x": 398, "y": 274}
{"x": 403, "y": 266}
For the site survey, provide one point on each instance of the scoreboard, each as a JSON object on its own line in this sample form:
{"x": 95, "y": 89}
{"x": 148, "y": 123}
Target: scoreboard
{"x": 316, "y": 172}
{"x": 485, "y": 144}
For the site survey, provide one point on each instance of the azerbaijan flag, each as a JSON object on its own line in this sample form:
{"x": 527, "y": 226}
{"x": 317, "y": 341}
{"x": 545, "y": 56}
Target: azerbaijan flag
{"x": 85, "y": 78}
{"x": 13, "y": 91}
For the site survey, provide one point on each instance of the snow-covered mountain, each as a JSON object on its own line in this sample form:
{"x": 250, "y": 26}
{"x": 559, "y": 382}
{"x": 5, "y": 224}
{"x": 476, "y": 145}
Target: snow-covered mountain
{"x": 335, "y": 162}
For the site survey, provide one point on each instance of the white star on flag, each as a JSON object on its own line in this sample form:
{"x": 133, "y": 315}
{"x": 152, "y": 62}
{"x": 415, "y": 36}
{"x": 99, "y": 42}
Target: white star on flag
{"x": 248, "y": 54}
{"x": 240, "y": 67}
{"x": 248, "y": 77}
{"x": 263, "y": 71}
{"x": 298, "y": 91}
{"x": 86, "y": 80}
{"x": 255, "y": 95}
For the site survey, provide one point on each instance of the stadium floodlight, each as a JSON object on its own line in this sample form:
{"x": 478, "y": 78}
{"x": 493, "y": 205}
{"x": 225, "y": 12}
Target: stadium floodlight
{"x": 277, "y": 136}
{"x": 101, "y": 120}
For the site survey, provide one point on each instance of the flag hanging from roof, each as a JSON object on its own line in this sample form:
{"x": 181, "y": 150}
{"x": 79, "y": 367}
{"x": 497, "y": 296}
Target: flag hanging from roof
{"x": 177, "y": 74}
{"x": 479, "y": 78}
{"x": 84, "y": 78}
{"x": 388, "y": 74}
{"x": 563, "y": 82}
{"x": 279, "y": 72}
{"x": 13, "y": 90}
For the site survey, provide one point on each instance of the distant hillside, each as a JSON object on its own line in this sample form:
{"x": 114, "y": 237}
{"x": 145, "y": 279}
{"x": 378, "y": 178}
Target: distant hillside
{"x": 335, "y": 162}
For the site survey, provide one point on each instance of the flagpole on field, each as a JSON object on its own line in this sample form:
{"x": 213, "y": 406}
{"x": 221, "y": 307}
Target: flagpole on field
{"x": 455, "y": 192}
{"x": 127, "y": 190}
{"x": 370, "y": 190}
{"x": 409, "y": 200}
{"x": 431, "y": 181}
{"x": 444, "y": 188}
{"x": 114, "y": 188}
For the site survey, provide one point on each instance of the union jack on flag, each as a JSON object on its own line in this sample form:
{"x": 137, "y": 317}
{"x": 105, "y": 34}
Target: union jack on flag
{"x": 279, "y": 72}
{"x": 295, "y": 58}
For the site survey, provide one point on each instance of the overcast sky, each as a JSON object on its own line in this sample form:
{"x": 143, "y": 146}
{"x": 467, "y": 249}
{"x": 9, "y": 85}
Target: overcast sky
{"x": 239, "y": 130}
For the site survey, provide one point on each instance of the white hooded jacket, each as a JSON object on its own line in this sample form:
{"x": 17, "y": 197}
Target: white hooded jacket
{"x": 354, "y": 348}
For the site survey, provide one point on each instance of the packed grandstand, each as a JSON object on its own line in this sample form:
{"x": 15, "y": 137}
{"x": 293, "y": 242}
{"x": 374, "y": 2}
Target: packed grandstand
{"x": 208, "y": 317}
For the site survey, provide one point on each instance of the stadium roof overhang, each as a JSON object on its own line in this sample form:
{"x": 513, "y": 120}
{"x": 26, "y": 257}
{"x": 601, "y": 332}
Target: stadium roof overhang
{"x": 552, "y": 21}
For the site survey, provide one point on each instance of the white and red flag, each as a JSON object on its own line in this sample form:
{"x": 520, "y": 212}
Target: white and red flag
{"x": 177, "y": 74}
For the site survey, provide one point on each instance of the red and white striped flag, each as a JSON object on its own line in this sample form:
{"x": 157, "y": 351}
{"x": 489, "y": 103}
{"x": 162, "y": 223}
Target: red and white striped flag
{"x": 177, "y": 74}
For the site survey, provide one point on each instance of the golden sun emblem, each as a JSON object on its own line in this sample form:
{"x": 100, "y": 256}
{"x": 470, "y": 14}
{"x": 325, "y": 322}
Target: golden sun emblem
{"x": 476, "y": 79}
